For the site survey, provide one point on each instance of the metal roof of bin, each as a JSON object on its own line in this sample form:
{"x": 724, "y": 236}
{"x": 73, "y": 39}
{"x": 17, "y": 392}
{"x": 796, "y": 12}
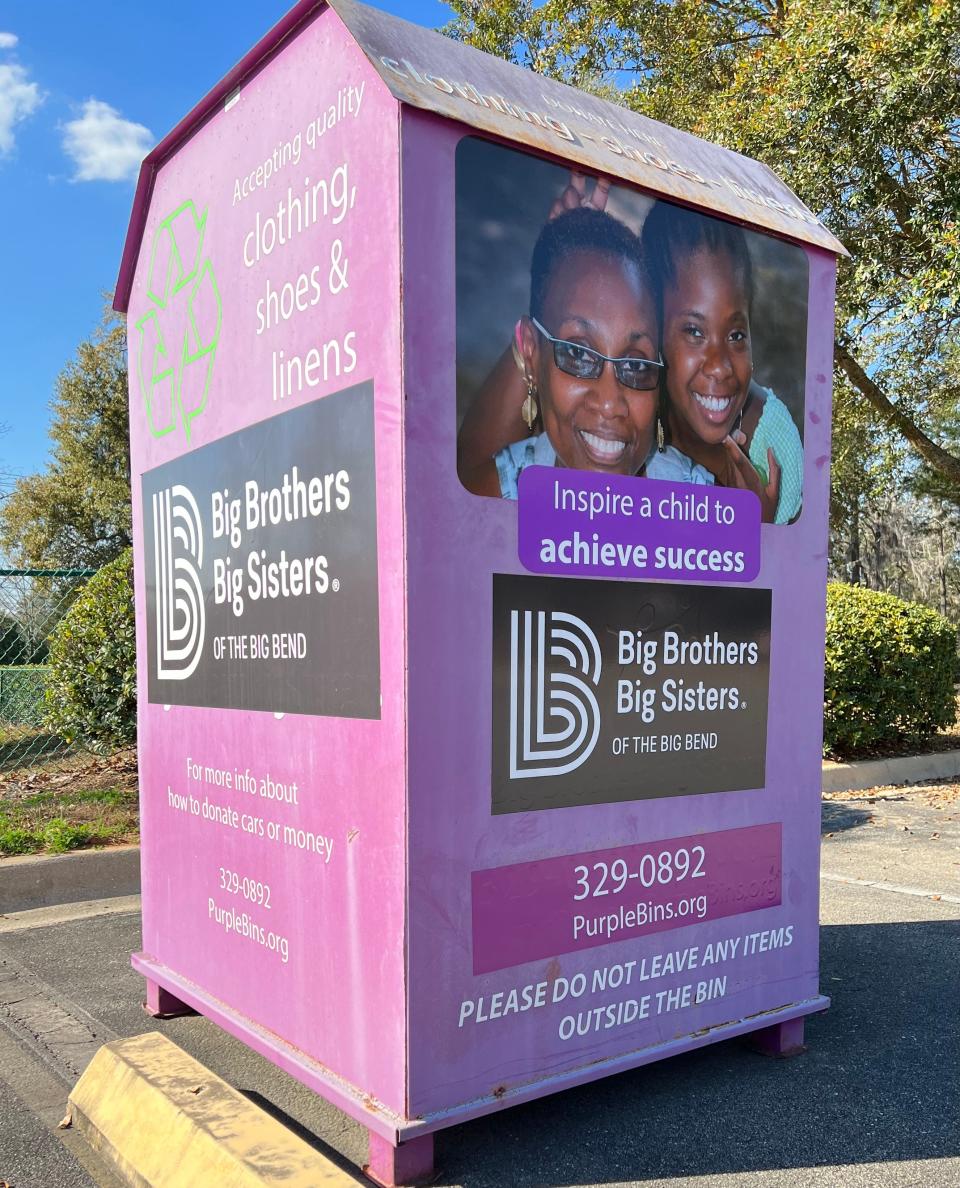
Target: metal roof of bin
{"x": 426, "y": 70}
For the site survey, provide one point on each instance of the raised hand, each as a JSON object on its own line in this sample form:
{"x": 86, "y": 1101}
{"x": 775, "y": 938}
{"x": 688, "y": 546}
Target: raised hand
{"x": 575, "y": 194}
{"x": 743, "y": 474}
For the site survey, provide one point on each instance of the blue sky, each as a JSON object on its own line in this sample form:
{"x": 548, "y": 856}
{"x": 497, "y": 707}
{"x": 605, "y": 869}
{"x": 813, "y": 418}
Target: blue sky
{"x": 85, "y": 91}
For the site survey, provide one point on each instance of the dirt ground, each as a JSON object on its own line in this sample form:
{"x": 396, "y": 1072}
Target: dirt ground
{"x": 938, "y": 794}
{"x": 70, "y": 802}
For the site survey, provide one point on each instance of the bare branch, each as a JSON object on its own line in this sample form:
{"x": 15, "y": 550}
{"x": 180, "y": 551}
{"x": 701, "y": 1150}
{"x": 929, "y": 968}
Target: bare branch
{"x": 935, "y": 456}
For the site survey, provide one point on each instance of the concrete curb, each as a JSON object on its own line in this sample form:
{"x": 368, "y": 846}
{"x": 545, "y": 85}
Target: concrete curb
{"x": 48, "y": 880}
{"x": 161, "y": 1118}
{"x": 855, "y": 777}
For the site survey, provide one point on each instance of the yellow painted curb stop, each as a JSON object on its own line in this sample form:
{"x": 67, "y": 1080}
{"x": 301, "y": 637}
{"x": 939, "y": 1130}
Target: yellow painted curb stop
{"x": 162, "y": 1120}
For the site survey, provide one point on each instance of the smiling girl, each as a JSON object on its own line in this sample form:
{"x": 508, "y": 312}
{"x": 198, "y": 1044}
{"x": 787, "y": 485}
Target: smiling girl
{"x": 716, "y": 414}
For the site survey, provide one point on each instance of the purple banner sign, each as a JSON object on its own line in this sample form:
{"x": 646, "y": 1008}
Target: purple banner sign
{"x": 579, "y": 523}
{"x": 560, "y": 905}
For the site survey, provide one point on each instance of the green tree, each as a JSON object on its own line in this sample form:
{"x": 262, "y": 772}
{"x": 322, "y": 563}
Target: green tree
{"x": 91, "y": 682}
{"x": 867, "y": 461}
{"x": 77, "y": 512}
{"x": 854, "y": 103}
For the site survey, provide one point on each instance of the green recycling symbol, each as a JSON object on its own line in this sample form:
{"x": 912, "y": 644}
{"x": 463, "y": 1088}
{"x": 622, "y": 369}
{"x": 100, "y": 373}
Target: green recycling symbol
{"x": 178, "y": 335}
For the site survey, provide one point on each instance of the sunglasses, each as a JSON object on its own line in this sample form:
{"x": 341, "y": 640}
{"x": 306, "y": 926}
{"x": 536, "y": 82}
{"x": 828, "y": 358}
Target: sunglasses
{"x": 643, "y": 375}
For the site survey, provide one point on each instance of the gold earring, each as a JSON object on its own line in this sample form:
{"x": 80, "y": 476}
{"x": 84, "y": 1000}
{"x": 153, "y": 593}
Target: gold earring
{"x": 660, "y": 445}
{"x": 516, "y": 347}
{"x": 529, "y": 409}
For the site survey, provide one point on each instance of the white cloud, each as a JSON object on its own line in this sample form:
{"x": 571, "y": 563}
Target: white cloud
{"x": 8, "y": 40}
{"x": 19, "y": 98}
{"x": 103, "y": 145}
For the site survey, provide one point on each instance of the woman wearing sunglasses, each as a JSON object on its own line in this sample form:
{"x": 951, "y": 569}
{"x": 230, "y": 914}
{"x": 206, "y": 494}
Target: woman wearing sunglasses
{"x": 588, "y": 354}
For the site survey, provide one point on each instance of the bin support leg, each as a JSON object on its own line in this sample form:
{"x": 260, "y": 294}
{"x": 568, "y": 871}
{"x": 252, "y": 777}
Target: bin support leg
{"x": 781, "y": 1040}
{"x": 409, "y": 1163}
{"x": 161, "y": 1004}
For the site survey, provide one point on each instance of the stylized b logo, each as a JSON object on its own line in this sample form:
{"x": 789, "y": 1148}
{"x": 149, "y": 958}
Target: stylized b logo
{"x": 178, "y": 559}
{"x": 554, "y": 716}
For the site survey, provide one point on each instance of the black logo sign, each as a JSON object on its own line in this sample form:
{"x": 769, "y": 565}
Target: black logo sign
{"x": 261, "y": 566}
{"x": 610, "y": 691}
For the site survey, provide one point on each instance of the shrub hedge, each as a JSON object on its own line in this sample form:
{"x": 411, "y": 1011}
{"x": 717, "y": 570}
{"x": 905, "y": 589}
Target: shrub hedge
{"x": 890, "y": 671}
{"x": 91, "y": 694}
{"x": 22, "y": 694}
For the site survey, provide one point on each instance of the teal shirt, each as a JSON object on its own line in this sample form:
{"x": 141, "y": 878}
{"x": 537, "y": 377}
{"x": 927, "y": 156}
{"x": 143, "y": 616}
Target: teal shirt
{"x": 776, "y": 431}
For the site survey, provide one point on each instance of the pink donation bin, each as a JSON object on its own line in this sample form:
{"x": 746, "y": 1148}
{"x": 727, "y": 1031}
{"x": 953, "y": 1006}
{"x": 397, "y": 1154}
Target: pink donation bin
{"x": 480, "y": 441}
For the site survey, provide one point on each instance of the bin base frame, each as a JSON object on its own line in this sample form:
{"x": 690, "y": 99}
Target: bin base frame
{"x": 161, "y": 1004}
{"x": 780, "y": 1041}
{"x": 775, "y": 1031}
{"x": 395, "y": 1166}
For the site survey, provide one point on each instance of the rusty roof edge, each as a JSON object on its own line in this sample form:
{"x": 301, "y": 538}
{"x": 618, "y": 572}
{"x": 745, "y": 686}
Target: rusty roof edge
{"x": 357, "y": 16}
{"x": 839, "y": 250}
{"x": 284, "y": 28}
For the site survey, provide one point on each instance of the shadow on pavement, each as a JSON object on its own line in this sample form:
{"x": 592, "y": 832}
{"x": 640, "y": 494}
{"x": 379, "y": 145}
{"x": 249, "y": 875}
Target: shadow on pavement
{"x": 879, "y": 1083}
{"x": 836, "y": 816}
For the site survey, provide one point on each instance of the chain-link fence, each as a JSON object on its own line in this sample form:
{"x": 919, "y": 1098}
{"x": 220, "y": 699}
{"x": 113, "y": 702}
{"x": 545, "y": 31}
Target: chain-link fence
{"x": 32, "y": 603}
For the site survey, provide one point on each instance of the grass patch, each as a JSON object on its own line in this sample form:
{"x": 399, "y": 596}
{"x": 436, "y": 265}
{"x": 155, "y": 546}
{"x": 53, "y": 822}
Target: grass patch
{"x": 113, "y": 797}
{"x": 70, "y": 804}
{"x": 56, "y": 836}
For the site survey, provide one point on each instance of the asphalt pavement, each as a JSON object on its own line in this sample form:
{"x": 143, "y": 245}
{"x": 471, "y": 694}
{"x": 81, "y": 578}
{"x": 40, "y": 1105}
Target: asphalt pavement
{"x": 875, "y": 1101}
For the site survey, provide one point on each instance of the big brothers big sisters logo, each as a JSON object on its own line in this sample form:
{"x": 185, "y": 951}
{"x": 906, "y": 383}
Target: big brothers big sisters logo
{"x": 554, "y": 716}
{"x": 177, "y": 337}
{"x": 178, "y": 564}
